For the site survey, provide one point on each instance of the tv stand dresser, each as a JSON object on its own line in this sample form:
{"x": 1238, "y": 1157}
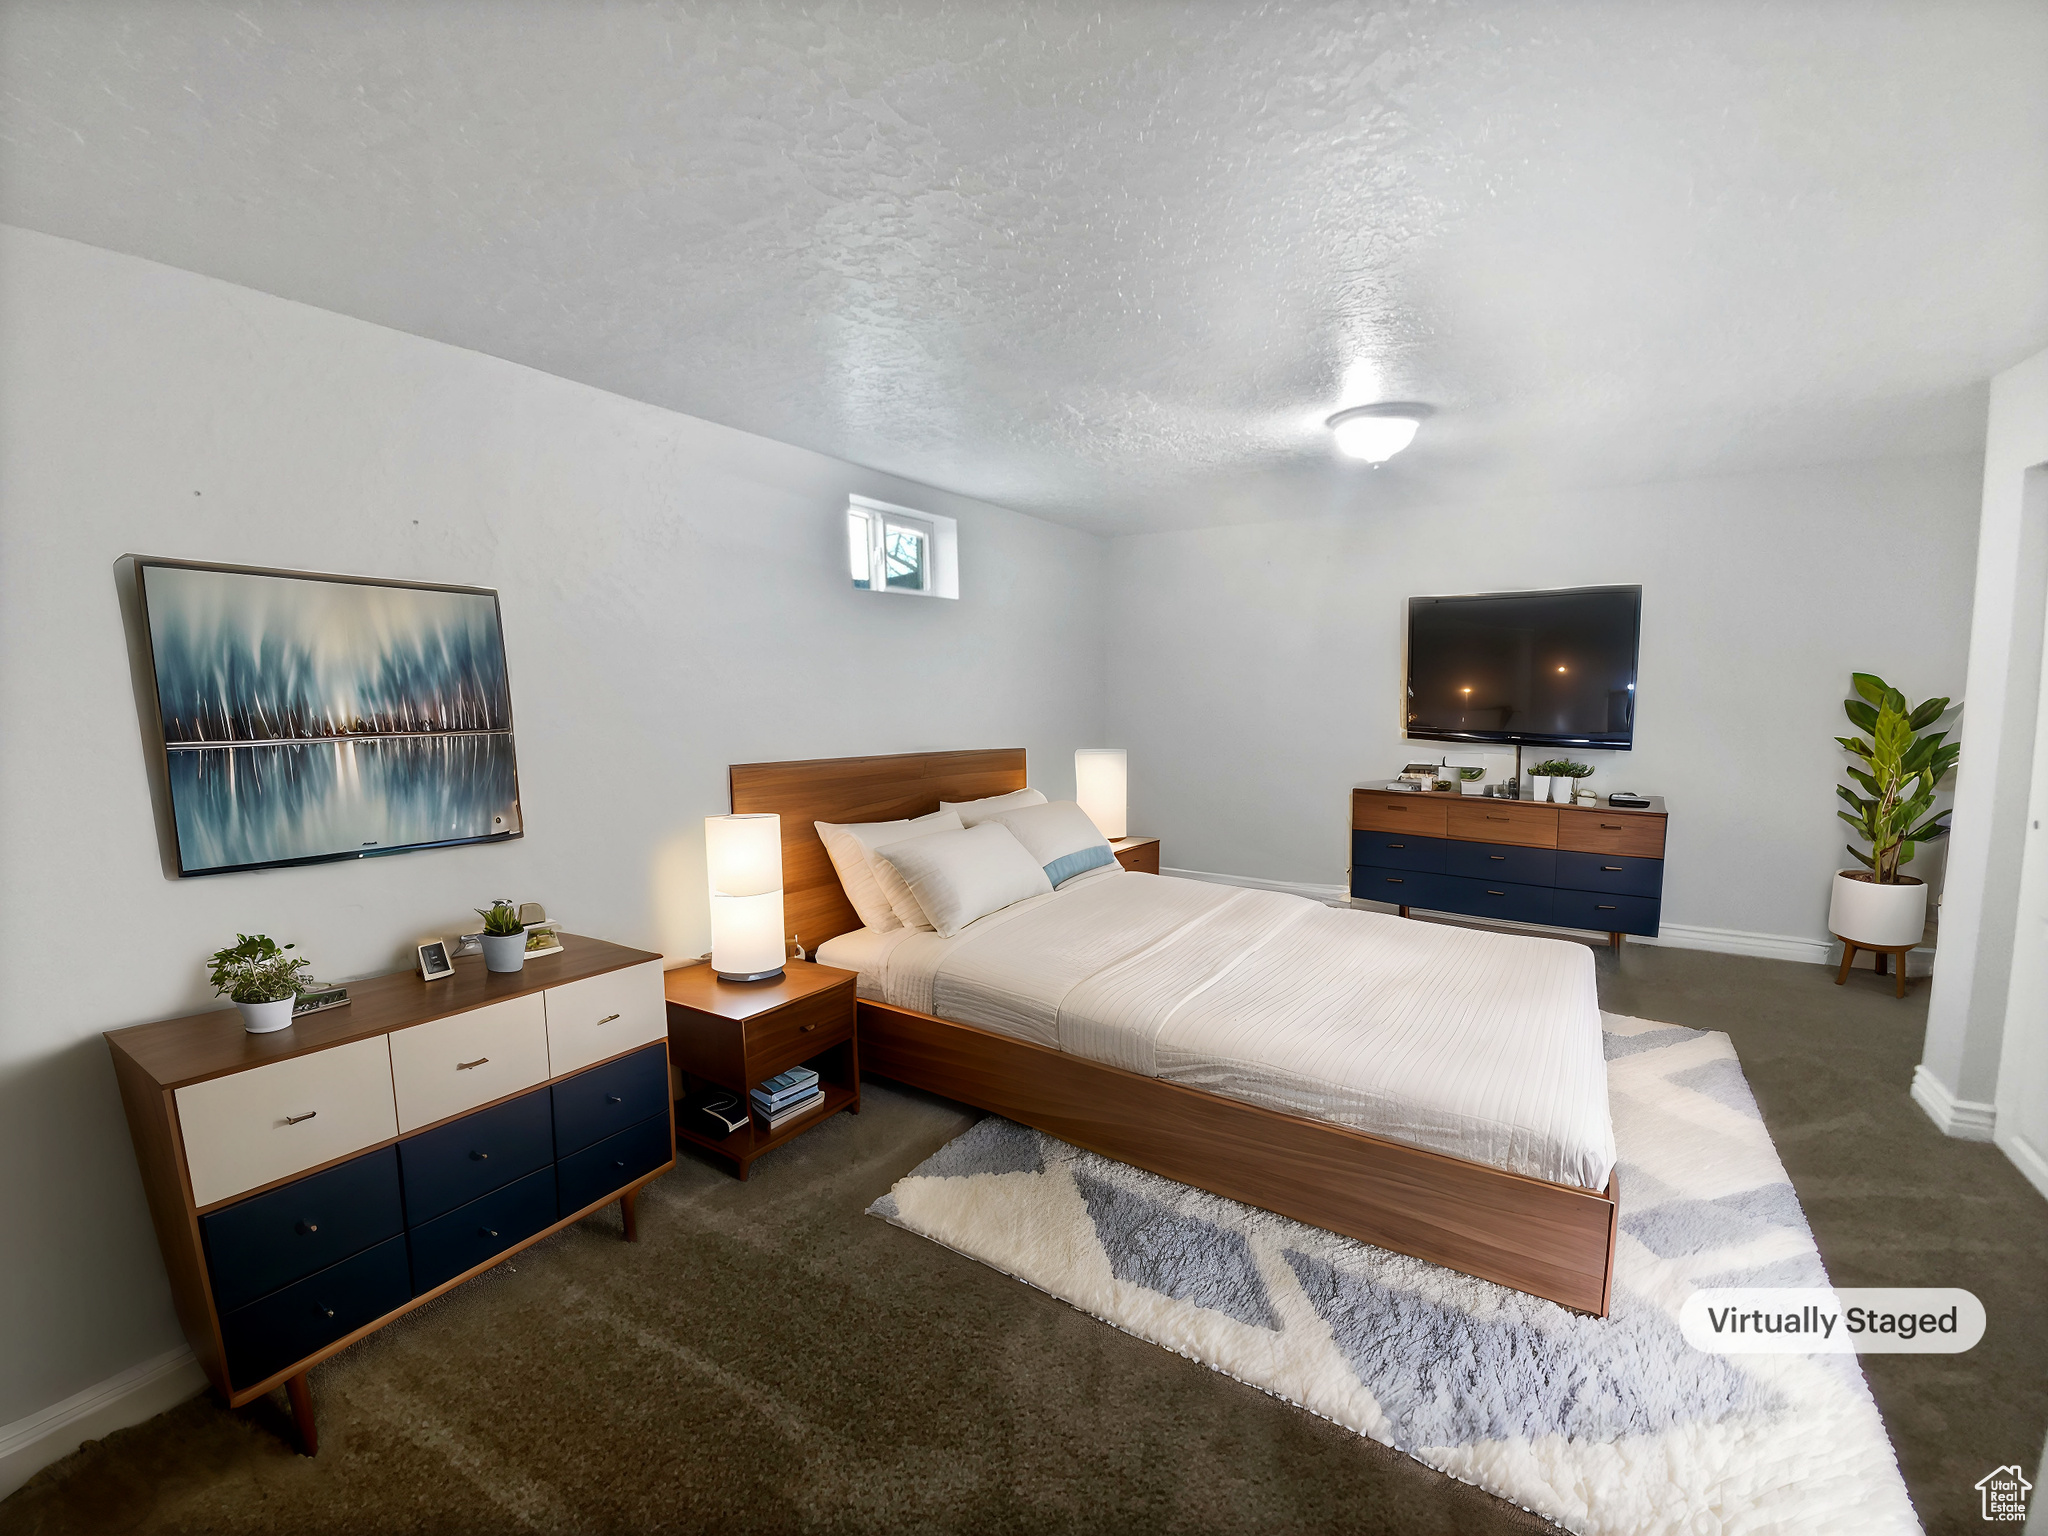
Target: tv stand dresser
{"x": 311, "y": 1185}
{"x": 1596, "y": 866}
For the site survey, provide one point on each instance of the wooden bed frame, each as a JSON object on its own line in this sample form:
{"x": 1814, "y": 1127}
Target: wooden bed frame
{"x": 1551, "y": 1240}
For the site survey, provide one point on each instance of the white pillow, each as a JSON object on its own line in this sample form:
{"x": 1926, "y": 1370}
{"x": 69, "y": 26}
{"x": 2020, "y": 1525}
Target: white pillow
{"x": 849, "y": 843}
{"x": 974, "y": 812}
{"x": 1060, "y": 836}
{"x": 960, "y": 876}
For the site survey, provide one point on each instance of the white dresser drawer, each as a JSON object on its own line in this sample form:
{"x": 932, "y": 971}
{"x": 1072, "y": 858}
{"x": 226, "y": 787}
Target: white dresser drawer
{"x": 251, "y": 1128}
{"x": 453, "y": 1064}
{"x": 602, "y": 1016}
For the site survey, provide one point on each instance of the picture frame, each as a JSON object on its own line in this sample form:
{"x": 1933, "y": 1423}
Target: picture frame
{"x": 435, "y": 963}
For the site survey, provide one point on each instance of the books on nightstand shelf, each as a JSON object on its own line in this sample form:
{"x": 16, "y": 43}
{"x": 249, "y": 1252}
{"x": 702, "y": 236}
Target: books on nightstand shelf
{"x": 786, "y": 1096}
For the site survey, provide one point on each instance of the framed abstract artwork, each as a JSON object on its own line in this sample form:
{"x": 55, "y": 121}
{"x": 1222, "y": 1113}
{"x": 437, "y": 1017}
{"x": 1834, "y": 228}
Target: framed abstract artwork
{"x": 308, "y": 717}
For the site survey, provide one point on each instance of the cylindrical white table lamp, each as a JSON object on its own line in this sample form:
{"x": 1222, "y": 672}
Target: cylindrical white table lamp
{"x": 1099, "y": 786}
{"x": 743, "y": 855}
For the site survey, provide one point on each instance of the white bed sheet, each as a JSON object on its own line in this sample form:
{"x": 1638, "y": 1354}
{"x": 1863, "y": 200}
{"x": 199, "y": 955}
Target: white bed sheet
{"x": 1485, "y": 1046}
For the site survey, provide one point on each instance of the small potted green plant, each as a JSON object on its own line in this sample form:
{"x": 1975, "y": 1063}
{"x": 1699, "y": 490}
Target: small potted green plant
{"x": 504, "y": 936}
{"x": 1469, "y": 776}
{"x": 1902, "y": 762}
{"x": 1549, "y": 778}
{"x": 1576, "y": 775}
{"x": 256, "y": 976}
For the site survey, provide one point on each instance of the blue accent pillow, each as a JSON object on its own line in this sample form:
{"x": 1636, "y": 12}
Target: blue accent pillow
{"x": 1069, "y": 865}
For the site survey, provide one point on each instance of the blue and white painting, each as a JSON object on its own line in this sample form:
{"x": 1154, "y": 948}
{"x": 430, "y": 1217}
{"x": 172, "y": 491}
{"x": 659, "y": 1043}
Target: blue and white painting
{"x": 307, "y": 718}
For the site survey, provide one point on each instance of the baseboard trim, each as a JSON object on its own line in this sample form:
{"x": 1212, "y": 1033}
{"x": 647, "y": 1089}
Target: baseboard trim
{"x": 2027, "y": 1158}
{"x": 1292, "y": 887}
{"x": 1735, "y": 941}
{"x": 141, "y": 1392}
{"x": 1964, "y": 1119}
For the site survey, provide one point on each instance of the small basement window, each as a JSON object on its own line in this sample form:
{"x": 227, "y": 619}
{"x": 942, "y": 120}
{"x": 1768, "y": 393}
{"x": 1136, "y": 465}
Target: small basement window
{"x": 893, "y": 549}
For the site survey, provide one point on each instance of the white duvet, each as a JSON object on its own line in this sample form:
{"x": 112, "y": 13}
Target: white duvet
{"x": 1485, "y": 1046}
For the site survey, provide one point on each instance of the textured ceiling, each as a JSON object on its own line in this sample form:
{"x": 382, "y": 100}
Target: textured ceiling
{"x": 1112, "y": 263}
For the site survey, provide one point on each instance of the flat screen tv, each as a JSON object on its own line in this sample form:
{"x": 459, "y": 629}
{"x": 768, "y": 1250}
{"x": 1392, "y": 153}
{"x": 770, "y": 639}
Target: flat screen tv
{"x": 308, "y": 718}
{"x": 1553, "y": 669}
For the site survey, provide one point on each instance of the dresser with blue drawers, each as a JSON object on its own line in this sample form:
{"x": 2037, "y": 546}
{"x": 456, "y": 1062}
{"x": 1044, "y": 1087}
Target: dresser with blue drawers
{"x": 310, "y": 1185}
{"x": 1594, "y": 866}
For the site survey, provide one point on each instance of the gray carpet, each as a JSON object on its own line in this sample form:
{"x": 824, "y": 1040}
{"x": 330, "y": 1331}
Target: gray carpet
{"x": 768, "y": 1359}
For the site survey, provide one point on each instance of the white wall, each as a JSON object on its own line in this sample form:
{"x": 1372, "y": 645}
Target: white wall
{"x": 675, "y": 599}
{"x": 1958, "y": 1075}
{"x": 1256, "y": 671}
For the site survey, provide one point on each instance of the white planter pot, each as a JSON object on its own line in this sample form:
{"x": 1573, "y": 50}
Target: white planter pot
{"x": 1881, "y": 916}
{"x": 1539, "y": 786}
{"x": 1562, "y": 789}
{"x": 505, "y": 951}
{"x": 266, "y": 1018}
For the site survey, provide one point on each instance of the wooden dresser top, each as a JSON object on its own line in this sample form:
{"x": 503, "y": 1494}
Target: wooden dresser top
{"x": 205, "y": 1045}
{"x": 1654, "y": 808}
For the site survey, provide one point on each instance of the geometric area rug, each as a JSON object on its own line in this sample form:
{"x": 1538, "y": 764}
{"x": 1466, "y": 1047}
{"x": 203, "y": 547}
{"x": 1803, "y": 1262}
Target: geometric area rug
{"x": 1612, "y": 1425}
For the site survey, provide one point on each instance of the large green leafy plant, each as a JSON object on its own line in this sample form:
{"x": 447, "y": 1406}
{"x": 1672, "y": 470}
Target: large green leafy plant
{"x": 1902, "y": 762}
{"x": 256, "y": 970}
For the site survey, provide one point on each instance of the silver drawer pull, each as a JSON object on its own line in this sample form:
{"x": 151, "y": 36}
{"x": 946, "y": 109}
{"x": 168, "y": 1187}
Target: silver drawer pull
{"x": 806, "y": 1029}
{"x": 1610, "y": 826}
{"x": 307, "y": 1228}
{"x": 480, "y": 1157}
{"x": 1496, "y": 893}
{"x": 1610, "y": 869}
{"x": 1397, "y": 845}
{"x": 323, "y": 1309}
{"x": 613, "y": 1098}
{"x": 1598, "y": 907}
{"x": 607, "y": 1018}
{"x": 295, "y": 1119}
{"x": 1395, "y": 880}
{"x": 487, "y": 1231}
{"x": 1498, "y": 858}
{"x": 464, "y": 1066}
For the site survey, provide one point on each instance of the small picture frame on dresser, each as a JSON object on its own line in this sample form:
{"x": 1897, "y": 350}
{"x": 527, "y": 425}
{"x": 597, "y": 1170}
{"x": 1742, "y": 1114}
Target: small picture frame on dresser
{"x": 434, "y": 963}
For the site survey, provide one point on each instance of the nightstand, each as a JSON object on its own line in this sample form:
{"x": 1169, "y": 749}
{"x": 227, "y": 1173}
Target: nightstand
{"x": 736, "y": 1034}
{"x": 1140, "y": 854}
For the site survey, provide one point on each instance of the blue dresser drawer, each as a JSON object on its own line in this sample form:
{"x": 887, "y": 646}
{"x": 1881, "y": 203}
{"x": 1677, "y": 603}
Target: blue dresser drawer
{"x": 480, "y": 1230}
{"x": 1606, "y": 912}
{"x": 596, "y": 1172}
{"x": 288, "y": 1325}
{"x": 272, "y": 1239}
{"x": 1494, "y": 898}
{"x": 1397, "y": 851}
{"x": 1495, "y": 862}
{"x": 593, "y": 1105}
{"x": 1403, "y": 887}
{"x": 1610, "y": 872}
{"x": 454, "y": 1163}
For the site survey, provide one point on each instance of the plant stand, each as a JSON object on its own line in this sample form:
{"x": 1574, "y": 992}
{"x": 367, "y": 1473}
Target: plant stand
{"x": 1877, "y": 952}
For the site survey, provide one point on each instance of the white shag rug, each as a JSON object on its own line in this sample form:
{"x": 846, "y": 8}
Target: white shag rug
{"x": 1602, "y": 1425}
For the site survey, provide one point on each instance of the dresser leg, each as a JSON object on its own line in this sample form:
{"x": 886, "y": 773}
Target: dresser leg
{"x": 627, "y": 1211}
{"x": 1614, "y": 942}
{"x": 300, "y": 1390}
{"x": 1404, "y": 911}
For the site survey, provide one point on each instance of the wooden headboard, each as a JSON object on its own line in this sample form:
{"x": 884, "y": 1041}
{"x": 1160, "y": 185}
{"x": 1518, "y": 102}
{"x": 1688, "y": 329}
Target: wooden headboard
{"x": 814, "y": 907}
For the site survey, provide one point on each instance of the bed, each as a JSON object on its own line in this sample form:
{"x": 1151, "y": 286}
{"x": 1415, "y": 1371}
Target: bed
{"x": 1433, "y": 1090}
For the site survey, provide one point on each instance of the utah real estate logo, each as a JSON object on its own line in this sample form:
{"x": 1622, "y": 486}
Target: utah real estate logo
{"x": 2005, "y": 1494}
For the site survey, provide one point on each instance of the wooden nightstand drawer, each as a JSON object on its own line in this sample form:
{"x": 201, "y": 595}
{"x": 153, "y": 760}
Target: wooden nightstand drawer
{"x": 1479, "y": 819}
{"x": 1421, "y": 815}
{"x": 1139, "y": 855}
{"x": 1639, "y": 837}
{"x": 778, "y": 1041}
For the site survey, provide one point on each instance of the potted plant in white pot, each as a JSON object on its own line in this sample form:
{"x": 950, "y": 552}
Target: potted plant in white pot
{"x": 504, "y": 936}
{"x": 1578, "y": 773}
{"x": 1877, "y": 906}
{"x": 255, "y": 975}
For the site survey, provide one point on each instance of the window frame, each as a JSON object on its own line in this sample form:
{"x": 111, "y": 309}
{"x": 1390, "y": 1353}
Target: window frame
{"x": 940, "y": 568}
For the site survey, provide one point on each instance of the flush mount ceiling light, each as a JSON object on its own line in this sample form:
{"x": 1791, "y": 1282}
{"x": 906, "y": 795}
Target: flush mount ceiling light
{"x": 1375, "y": 433}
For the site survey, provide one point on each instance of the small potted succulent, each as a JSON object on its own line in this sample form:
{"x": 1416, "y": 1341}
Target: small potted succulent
{"x": 1469, "y": 776}
{"x": 504, "y": 936}
{"x": 1539, "y": 779}
{"x": 1552, "y": 779}
{"x": 1576, "y": 775}
{"x": 1902, "y": 761}
{"x": 261, "y": 982}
